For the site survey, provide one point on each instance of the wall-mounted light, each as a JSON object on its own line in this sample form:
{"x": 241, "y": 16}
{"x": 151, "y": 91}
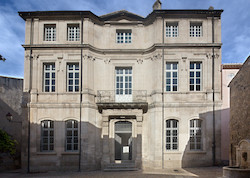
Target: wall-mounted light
{"x": 9, "y": 117}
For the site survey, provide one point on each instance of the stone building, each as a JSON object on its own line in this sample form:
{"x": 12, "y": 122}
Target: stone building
{"x": 123, "y": 90}
{"x": 228, "y": 73}
{"x": 239, "y": 109}
{"x": 11, "y": 96}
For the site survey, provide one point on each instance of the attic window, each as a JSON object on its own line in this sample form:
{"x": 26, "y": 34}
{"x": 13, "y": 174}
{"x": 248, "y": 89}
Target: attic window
{"x": 123, "y": 36}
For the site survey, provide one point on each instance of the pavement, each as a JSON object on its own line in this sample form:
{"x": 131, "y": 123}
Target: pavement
{"x": 203, "y": 172}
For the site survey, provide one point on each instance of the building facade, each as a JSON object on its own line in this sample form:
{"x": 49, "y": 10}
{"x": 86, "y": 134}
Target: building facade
{"x": 123, "y": 89}
{"x": 239, "y": 115}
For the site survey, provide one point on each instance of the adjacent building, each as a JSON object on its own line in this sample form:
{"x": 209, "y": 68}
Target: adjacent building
{"x": 239, "y": 113}
{"x": 228, "y": 73}
{"x": 123, "y": 89}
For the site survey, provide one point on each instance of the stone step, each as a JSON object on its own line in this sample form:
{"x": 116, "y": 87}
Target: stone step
{"x": 121, "y": 167}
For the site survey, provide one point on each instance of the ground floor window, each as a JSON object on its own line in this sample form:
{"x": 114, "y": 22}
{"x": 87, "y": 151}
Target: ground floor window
{"x": 195, "y": 134}
{"x": 172, "y": 134}
{"x": 47, "y": 135}
{"x": 71, "y": 135}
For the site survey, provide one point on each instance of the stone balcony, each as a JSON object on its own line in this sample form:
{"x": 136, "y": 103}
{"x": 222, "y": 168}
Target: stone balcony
{"x": 126, "y": 99}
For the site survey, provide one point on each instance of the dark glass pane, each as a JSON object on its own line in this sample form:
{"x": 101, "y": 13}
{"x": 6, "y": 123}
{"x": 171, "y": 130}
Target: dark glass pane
{"x": 175, "y": 66}
{"x": 174, "y": 88}
{"x": 168, "y": 66}
{"x": 168, "y": 74}
{"x": 75, "y": 124}
{"x": 45, "y": 133}
{"x": 47, "y": 75}
{"x": 76, "y": 88}
{"x": 198, "y": 65}
{"x": 51, "y": 140}
{"x": 117, "y": 79}
{"x": 174, "y": 81}
{"x": 69, "y": 147}
{"x": 53, "y": 75}
{"x": 168, "y": 123}
{"x": 70, "y": 75}
{"x": 70, "y": 88}
{"x": 168, "y": 146}
{"x": 75, "y": 146}
{"x": 198, "y": 74}
{"x": 69, "y": 124}
{"x": 168, "y": 139}
{"x": 46, "y": 82}
{"x": 174, "y": 74}
{"x": 191, "y": 74}
{"x": 45, "y": 140}
{"x": 53, "y": 88}
{"x": 198, "y": 87}
{"x": 45, "y": 147}
{"x": 46, "y": 88}
{"x": 167, "y": 88}
{"x": 69, "y": 140}
{"x": 198, "y": 81}
{"x": 51, "y": 133}
{"x": 69, "y": 133}
{"x": 191, "y": 87}
{"x": 53, "y": 82}
{"x": 191, "y": 65}
{"x": 191, "y": 81}
{"x": 75, "y": 133}
{"x": 168, "y": 81}
{"x": 175, "y": 147}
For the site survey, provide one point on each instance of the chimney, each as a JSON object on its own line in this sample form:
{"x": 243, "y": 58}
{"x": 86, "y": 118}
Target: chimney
{"x": 157, "y": 5}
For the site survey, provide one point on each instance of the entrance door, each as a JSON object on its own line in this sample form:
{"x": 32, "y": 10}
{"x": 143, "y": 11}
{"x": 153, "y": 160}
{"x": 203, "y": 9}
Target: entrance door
{"x": 123, "y": 140}
{"x": 123, "y": 84}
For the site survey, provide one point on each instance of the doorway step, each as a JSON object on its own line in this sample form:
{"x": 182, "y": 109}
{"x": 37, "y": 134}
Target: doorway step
{"x": 121, "y": 167}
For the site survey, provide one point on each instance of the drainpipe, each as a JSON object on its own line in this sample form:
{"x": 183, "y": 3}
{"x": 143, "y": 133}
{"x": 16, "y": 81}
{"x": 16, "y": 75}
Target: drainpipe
{"x": 162, "y": 93}
{"x": 30, "y": 87}
{"x": 80, "y": 125}
{"x": 214, "y": 144}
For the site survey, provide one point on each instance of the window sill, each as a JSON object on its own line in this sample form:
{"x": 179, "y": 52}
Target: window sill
{"x": 46, "y": 153}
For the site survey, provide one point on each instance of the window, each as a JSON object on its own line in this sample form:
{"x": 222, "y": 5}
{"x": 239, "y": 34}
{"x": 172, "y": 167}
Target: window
{"x": 195, "y": 29}
{"x": 123, "y": 36}
{"x": 72, "y": 77}
{"x": 172, "y": 134}
{"x": 195, "y": 134}
{"x": 71, "y": 135}
{"x": 195, "y": 76}
{"x": 47, "y": 132}
{"x": 171, "y": 29}
{"x": 123, "y": 81}
{"x": 49, "y": 77}
{"x": 49, "y": 32}
{"x": 73, "y": 32}
{"x": 171, "y": 76}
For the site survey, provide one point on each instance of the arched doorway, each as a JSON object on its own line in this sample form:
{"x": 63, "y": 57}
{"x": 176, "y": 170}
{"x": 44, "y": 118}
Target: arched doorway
{"x": 123, "y": 140}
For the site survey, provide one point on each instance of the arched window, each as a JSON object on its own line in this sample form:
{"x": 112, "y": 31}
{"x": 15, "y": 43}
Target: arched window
{"x": 71, "y": 135}
{"x": 47, "y": 135}
{"x": 172, "y": 134}
{"x": 195, "y": 134}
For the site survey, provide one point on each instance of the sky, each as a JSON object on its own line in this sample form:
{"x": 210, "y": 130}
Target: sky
{"x": 235, "y": 24}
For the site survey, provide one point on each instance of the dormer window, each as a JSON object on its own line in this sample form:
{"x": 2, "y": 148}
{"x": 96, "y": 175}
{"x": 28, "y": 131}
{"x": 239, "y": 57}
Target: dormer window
{"x": 123, "y": 36}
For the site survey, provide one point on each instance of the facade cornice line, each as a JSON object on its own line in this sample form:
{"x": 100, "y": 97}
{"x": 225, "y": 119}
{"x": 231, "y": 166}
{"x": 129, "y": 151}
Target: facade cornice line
{"x": 118, "y": 51}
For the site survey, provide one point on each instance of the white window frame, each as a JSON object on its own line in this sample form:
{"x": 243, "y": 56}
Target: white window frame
{"x": 195, "y": 78}
{"x": 123, "y": 36}
{"x": 49, "y": 32}
{"x": 51, "y": 78}
{"x": 170, "y": 135}
{"x": 172, "y": 29}
{"x": 73, "y": 32}
{"x": 71, "y": 139}
{"x": 196, "y": 135}
{"x": 171, "y": 78}
{"x": 75, "y": 78}
{"x": 196, "y": 29}
{"x": 123, "y": 84}
{"x": 49, "y": 144}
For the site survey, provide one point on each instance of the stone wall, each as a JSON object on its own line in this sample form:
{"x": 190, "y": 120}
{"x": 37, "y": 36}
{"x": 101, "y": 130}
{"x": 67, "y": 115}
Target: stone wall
{"x": 239, "y": 109}
{"x": 10, "y": 102}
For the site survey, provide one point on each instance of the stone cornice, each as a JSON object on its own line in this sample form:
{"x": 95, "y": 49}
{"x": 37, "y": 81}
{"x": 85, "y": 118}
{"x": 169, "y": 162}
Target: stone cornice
{"x": 124, "y": 51}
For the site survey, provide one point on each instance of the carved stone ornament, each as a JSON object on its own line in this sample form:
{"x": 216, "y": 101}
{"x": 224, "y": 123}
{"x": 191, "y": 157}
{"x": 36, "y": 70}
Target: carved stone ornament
{"x": 139, "y": 61}
{"x": 107, "y": 61}
{"x": 156, "y": 57}
{"x": 87, "y": 57}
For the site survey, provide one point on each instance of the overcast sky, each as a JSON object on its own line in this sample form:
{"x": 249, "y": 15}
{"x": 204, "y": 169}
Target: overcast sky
{"x": 235, "y": 23}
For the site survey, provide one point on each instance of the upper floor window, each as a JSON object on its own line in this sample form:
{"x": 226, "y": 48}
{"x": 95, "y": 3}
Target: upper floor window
{"x": 171, "y": 76}
{"x": 49, "y": 77}
{"x": 73, "y": 77}
{"x": 195, "y": 29}
{"x": 73, "y": 32}
{"x": 71, "y": 135}
{"x": 172, "y": 134}
{"x": 195, "y": 76}
{"x": 171, "y": 29}
{"x": 123, "y": 36}
{"x": 47, "y": 135}
{"x": 50, "y": 32}
{"x": 195, "y": 134}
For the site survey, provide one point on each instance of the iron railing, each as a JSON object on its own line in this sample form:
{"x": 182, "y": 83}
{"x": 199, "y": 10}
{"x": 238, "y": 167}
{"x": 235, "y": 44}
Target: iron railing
{"x": 116, "y": 96}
